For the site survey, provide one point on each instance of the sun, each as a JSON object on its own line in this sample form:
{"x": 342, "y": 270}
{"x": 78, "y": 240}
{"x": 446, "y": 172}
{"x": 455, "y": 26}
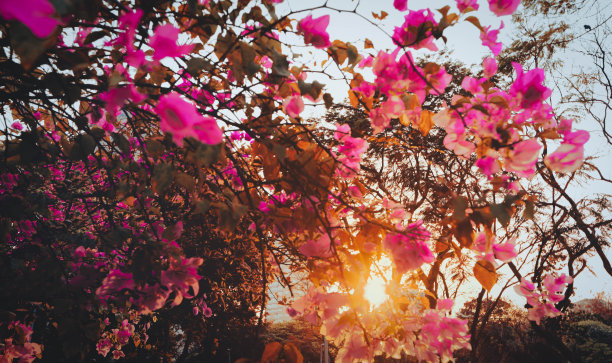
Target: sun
{"x": 375, "y": 288}
{"x": 374, "y": 291}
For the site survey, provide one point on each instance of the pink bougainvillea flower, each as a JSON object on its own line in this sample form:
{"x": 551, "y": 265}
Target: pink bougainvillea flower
{"x": 555, "y": 285}
{"x": 151, "y": 298}
{"x": 314, "y": 30}
{"x": 128, "y": 22}
{"x": 416, "y": 30}
{"x": 489, "y": 67}
{"x": 35, "y": 14}
{"x": 206, "y": 311}
{"x": 401, "y": 5}
{"x": 115, "y": 282}
{"x": 526, "y": 287}
{"x": 463, "y": 5}
{"x": 489, "y": 39}
{"x": 439, "y": 80}
{"x": 294, "y": 105}
{"x": 409, "y": 250}
{"x": 104, "y": 346}
{"x": 565, "y": 126}
{"x": 503, "y": 7}
{"x": 529, "y": 87}
{"x": 445, "y": 304}
{"x": 379, "y": 120}
{"x": 181, "y": 118}
{"x": 488, "y": 165}
{"x": 321, "y": 247}
{"x": 349, "y": 151}
{"x": 523, "y": 157}
{"x": 472, "y": 85}
{"x": 182, "y": 277}
{"x": 207, "y": 131}
{"x": 118, "y": 354}
{"x": 163, "y": 41}
{"x": 455, "y": 139}
{"x": 17, "y": 125}
{"x": 504, "y": 251}
{"x": 115, "y": 98}
{"x": 569, "y": 156}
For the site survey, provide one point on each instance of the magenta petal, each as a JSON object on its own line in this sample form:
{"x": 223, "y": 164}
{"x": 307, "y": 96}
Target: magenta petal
{"x": 35, "y": 14}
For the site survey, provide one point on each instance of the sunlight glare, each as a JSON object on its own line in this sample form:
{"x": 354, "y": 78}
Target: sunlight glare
{"x": 374, "y": 291}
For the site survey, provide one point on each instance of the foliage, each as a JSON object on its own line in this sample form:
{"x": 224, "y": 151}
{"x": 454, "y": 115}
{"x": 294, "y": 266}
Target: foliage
{"x": 157, "y": 176}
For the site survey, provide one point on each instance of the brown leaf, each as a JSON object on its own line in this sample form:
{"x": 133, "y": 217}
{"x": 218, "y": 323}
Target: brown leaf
{"x": 271, "y": 352}
{"x": 292, "y": 354}
{"x": 474, "y": 20}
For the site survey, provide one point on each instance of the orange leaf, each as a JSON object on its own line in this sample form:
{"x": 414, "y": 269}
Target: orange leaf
{"x": 484, "y": 271}
{"x": 383, "y": 14}
{"x": 426, "y": 122}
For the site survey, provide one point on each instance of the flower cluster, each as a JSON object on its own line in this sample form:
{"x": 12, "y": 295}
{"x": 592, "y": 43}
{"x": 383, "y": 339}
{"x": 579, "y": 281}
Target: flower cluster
{"x": 543, "y": 303}
{"x": 409, "y": 249}
{"x": 19, "y": 345}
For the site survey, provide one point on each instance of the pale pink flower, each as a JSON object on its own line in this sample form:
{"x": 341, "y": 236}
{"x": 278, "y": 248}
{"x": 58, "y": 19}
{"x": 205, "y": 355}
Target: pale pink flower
{"x": 570, "y": 155}
{"x": 35, "y": 14}
{"x": 489, "y": 67}
{"x": 294, "y": 105}
{"x": 565, "y": 159}
{"x": 523, "y": 157}
{"x": 321, "y": 247}
{"x": 503, "y": 7}
{"x": 207, "y": 312}
{"x": 456, "y": 139}
{"x": 379, "y": 120}
{"x": 472, "y": 85}
{"x": 504, "y": 251}
{"x": 163, "y": 41}
{"x": 463, "y": 5}
{"x": 409, "y": 250}
{"x": 314, "y": 31}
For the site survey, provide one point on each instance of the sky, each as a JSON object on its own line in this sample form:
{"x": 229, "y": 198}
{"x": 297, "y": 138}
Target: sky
{"x": 464, "y": 42}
